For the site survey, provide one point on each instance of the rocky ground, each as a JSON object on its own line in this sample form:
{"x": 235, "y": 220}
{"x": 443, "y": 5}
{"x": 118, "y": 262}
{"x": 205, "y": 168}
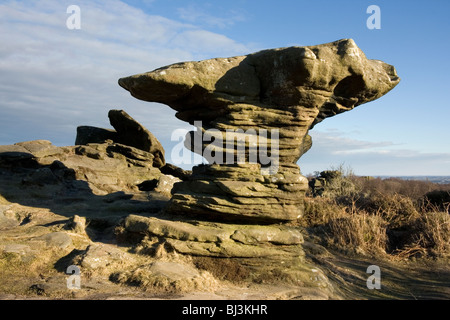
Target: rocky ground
{"x": 54, "y": 215}
{"x": 38, "y": 245}
{"x": 99, "y": 208}
{"x": 61, "y": 207}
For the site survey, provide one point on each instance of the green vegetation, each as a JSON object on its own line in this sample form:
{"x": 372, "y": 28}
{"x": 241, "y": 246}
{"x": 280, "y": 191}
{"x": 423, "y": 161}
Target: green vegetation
{"x": 400, "y": 219}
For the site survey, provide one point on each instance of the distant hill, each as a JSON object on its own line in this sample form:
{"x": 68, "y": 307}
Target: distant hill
{"x": 434, "y": 179}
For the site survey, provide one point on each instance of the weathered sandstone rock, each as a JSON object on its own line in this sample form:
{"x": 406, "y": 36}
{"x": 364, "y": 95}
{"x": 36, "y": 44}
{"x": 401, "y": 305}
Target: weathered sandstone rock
{"x": 88, "y": 134}
{"x": 219, "y": 239}
{"x": 127, "y": 131}
{"x": 100, "y": 168}
{"x": 271, "y": 98}
{"x": 132, "y": 133}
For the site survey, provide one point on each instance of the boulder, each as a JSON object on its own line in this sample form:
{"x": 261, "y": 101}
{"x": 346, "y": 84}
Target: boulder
{"x": 165, "y": 184}
{"x": 88, "y": 134}
{"x": 41, "y": 176}
{"x": 101, "y": 256}
{"x": 8, "y": 220}
{"x": 168, "y": 276}
{"x": 251, "y": 104}
{"x": 172, "y": 270}
{"x": 16, "y": 156}
{"x": 77, "y": 224}
{"x": 132, "y": 133}
{"x": 175, "y": 171}
{"x": 56, "y": 239}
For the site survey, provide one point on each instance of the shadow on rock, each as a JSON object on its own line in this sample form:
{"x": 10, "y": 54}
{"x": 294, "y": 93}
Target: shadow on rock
{"x": 90, "y": 181}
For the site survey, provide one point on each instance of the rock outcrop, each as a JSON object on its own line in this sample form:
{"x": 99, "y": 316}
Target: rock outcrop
{"x": 132, "y": 133}
{"x": 269, "y": 100}
{"x": 127, "y": 132}
{"x": 102, "y": 162}
{"x": 105, "y": 168}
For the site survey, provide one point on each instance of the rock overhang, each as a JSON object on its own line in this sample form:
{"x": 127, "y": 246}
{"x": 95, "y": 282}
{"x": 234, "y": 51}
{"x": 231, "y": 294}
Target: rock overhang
{"x": 286, "y": 91}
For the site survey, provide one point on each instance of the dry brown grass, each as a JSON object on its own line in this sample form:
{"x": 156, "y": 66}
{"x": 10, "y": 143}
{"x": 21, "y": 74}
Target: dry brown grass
{"x": 431, "y": 234}
{"x": 345, "y": 227}
{"x": 359, "y": 232}
{"x": 396, "y": 218}
{"x": 396, "y": 209}
{"x": 319, "y": 211}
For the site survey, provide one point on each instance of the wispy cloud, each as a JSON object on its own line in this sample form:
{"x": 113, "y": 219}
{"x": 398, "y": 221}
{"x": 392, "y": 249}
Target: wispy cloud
{"x": 196, "y": 14}
{"x": 54, "y": 79}
{"x": 331, "y": 148}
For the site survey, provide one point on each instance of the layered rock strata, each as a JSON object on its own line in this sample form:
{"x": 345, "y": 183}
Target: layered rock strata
{"x": 103, "y": 161}
{"x": 103, "y": 168}
{"x": 269, "y": 98}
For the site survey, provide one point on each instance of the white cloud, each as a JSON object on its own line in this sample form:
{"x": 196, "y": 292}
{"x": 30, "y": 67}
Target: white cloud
{"x": 332, "y": 148}
{"x": 54, "y": 79}
{"x": 201, "y": 42}
{"x": 337, "y": 142}
{"x": 197, "y": 14}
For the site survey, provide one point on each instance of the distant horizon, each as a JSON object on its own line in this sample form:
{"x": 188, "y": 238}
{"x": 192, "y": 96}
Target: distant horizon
{"x": 331, "y": 167}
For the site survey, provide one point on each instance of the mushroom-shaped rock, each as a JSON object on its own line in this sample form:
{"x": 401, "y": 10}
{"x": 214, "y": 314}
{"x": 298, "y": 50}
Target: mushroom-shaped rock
{"x": 248, "y": 107}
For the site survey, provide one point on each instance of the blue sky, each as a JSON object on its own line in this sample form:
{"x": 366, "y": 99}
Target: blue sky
{"x": 53, "y": 79}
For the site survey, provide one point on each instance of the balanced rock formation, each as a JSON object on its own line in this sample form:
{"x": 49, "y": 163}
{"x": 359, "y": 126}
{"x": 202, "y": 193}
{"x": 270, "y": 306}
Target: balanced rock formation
{"x": 271, "y": 98}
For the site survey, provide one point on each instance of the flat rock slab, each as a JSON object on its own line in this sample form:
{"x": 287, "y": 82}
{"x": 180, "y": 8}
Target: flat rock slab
{"x": 102, "y": 256}
{"x": 56, "y": 239}
{"x": 173, "y": 270}
{"x": 219, "y": 239}
{"x": 16, "y": 248}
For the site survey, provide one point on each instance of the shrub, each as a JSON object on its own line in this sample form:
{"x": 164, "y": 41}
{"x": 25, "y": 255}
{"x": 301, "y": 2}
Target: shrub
{"x": 430, "y": 234}
{"x": 413, "y": 189}
{"x": 397, "y": 210}
{"x": 437, "y": 199}
{"x": 319, "y": 211}
{"x": 362, "y": 233}
{"x": 402, "y": 218}
{"x": 333, "y": 184}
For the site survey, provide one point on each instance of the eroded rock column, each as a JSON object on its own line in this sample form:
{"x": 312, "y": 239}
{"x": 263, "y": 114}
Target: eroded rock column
{"x": 268, "y": 101}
